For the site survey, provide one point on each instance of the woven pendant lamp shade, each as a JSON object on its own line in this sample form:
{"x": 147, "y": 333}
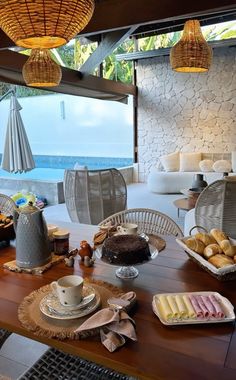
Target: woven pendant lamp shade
{"x": 44, "y": 23}
{"x": 40, "y": 70}
{"x": 191, "y": 53}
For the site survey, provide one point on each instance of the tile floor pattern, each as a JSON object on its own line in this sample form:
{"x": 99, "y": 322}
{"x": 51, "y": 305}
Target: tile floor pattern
{"x": 19, "y": 353}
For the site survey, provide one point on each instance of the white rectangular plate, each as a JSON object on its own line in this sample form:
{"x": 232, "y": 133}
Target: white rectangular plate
{"x": 224, "y": 302}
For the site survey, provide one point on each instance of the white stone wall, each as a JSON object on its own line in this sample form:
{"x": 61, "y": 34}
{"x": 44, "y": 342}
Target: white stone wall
{"x": 183, "y": 111}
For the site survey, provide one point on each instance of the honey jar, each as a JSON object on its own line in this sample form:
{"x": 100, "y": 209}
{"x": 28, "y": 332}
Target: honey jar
{"x": 61, "y": 242}
{"x": 51, "y": 229}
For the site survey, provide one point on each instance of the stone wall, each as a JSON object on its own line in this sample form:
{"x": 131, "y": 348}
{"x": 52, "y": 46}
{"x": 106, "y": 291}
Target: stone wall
{"x": 183, "y": 111}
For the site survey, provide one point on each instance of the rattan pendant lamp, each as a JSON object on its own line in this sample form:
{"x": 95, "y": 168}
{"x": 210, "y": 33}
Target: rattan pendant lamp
{"x": 191, "y": 53}
{"x": 44, "y": 23}
{"x": 40, "y": 70}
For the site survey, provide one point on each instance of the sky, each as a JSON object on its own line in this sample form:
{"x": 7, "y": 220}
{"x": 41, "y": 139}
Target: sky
{"x": 69, "y": 125}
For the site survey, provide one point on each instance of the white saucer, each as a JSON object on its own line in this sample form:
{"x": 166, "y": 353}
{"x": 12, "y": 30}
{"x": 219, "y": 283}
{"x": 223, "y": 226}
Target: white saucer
{"x": 51, "y": 307}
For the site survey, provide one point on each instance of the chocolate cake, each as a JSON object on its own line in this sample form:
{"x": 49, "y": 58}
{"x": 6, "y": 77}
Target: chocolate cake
{"x": 125, "y": 250}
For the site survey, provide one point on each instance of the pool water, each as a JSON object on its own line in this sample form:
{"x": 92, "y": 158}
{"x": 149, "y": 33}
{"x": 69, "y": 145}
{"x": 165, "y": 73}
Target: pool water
{"x": 53, "y": 167}
{"x": 37, "y": 173}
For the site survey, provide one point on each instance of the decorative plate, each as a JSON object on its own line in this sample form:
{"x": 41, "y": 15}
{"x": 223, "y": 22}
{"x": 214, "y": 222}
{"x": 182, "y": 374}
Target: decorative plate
{"x": 225, "y": 304}
{"x": 51, "y": 307}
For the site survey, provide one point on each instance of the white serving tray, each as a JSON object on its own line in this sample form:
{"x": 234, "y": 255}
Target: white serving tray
{"x": 224, "y": 303}
{"x": 204, "y": 262}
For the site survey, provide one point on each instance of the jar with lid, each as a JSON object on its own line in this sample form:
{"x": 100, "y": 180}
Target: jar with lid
{"x": 51, "y": 229}
{"x": 61, "y": 242}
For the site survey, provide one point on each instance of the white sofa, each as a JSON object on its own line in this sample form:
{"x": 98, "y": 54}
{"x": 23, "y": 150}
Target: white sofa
{"x": 173, "y": 182}
{"x": 163, "y": 182}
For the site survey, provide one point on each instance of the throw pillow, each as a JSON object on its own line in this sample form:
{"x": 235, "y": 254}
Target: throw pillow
{"x": 234, "y": 161}
{"x": 189, "y": 162}
{"x": 206, "y": 165}
{"x": 222, "y": 166}
{"x": 77, "y": 166}
{"x": 170, "y": 162}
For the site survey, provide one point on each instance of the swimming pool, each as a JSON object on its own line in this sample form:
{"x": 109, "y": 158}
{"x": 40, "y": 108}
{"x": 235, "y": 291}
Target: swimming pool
{"x": 37, "y": 173}
{"x": 53, "y": 167}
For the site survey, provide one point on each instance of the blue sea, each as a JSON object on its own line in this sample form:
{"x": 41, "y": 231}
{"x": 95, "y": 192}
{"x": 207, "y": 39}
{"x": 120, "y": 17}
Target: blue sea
{"x": 52, "y": 167}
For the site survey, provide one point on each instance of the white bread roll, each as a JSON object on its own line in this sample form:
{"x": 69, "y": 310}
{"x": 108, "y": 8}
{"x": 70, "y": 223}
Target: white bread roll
{"x": 220, "y": 260}
{"x": 211, "y": 250}
{"x": 227, "y": 248}
{"x": 218, "y": 235}
{"x": 207, "y": 239}
{"x": 195, "y": 245}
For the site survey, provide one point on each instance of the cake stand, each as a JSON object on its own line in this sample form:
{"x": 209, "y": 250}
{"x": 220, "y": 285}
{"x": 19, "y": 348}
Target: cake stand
{"x": 126, "y": 271}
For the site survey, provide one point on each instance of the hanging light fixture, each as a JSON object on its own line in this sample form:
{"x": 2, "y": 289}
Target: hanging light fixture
{"x": 40, "y": 70}
{"x": 191, "y": 53}
{"x": 44, "y": 23}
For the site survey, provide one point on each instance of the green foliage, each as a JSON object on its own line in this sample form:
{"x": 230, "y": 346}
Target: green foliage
{"x": 21, "y": 91}
{"x": 219, "y": 32}
{"x": 82, "y": 52}
{"x": 66, "y": 52}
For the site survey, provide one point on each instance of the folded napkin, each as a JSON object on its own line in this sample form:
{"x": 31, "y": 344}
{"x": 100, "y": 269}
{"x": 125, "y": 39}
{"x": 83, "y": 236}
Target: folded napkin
{"x": 113, "y": 323}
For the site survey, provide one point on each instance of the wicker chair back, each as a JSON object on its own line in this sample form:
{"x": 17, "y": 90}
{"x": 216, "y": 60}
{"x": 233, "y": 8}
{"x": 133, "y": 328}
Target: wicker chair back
{"x": 92, "y": 195}
{"x": 216, "y": 206}
{"x": 148, "y": 221}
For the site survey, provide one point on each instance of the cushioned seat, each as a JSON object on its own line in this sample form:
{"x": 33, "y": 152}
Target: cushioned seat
{"x": 173, "y": 182}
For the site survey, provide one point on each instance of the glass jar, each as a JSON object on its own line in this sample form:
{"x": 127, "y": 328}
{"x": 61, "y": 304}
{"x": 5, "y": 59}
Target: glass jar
{"x": 61, "y": 242}
{"x": 51, "y": 229}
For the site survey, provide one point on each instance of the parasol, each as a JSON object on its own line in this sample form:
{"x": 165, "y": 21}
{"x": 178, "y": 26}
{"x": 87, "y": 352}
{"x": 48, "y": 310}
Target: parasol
{"x": 17, "y": 155}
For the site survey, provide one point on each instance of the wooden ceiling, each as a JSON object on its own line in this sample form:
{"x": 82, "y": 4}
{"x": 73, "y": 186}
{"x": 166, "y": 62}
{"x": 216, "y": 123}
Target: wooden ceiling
{"x": 112, "y": 22}
{"x": 153, "y": 15}
{"x": 149, "y": 16}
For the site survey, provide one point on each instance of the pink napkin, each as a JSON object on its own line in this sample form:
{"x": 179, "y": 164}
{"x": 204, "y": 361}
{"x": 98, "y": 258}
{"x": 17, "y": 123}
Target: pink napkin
{"x": 113, "y": 323}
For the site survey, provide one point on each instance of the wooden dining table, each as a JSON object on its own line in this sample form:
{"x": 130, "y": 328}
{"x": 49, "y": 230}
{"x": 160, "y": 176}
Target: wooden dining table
{"x": 200, "y": 351}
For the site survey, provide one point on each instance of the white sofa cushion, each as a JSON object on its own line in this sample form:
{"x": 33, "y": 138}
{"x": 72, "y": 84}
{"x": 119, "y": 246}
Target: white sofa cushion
{"x": 222, "y": 166}
{"x": 206, "y": 165}
{"x": 170, "y": 162}
{"x": 189, "y": 162}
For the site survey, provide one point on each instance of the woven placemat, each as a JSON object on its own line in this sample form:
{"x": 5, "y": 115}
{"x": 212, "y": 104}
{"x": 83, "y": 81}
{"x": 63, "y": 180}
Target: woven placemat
{"x": 34, "y": 320}
{"x": 12, "y": 266}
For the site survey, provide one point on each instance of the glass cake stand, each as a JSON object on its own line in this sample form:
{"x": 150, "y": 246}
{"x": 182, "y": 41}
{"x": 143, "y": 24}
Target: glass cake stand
{"x": 126, "y": 271}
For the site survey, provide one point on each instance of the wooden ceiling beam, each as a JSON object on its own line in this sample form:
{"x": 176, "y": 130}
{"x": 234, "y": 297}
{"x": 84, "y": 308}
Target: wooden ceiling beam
{"x": 110, "y": 41}
{"x": 117, "y": 14}
{"x": 73, "y": 82}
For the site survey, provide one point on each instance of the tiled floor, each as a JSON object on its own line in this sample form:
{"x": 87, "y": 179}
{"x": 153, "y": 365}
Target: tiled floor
{"x": 18, "y": 353}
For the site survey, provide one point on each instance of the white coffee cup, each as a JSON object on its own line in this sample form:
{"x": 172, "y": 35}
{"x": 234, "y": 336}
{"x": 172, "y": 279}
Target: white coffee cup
{"x": 69, "y": 289}
{"x": 127, "y": 229}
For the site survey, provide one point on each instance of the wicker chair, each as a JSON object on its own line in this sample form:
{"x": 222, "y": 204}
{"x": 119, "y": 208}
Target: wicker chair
{"x": 148, "y": 221}
{"x": 216, "y": 206}
{"x": 7, "y": 205}
{"x": 92, "y": 195}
